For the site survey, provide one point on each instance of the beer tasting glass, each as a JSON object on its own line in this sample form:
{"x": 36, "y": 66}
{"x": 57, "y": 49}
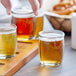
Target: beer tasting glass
{"x": 24, "y": 20}
{"x": 51, "y": 45}
{"x": 8, "y": 41}
{"x": 28, "y": 25}
{"x": 39, "y": 22}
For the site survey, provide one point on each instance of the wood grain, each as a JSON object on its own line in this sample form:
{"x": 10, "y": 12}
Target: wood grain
{"x": 25, "y": 52}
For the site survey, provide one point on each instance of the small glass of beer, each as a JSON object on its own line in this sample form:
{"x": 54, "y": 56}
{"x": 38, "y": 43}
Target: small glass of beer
{"x": 24, "y": 20}
{"x": 39, "y": 22}
{"x": 51, "y": 47}
{"x": 8, "y": 41}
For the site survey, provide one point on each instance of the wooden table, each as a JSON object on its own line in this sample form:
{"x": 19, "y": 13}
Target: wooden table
{"x": 68, "y": 67}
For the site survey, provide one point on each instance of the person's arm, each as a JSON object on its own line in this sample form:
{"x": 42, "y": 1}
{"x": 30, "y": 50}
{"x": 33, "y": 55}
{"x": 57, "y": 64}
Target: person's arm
{"x": 36, "y": 4}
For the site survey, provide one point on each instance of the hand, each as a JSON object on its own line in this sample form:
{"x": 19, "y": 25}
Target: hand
{"x": 7, "y": 5}
{"x": 36, "y": 4}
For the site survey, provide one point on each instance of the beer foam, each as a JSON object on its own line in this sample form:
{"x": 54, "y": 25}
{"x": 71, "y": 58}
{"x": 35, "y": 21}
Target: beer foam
{"x": 50, "y": 37}
{"x": 6, "y": 31}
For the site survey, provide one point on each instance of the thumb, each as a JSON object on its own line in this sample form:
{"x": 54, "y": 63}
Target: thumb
{"x": 7, "y": 5}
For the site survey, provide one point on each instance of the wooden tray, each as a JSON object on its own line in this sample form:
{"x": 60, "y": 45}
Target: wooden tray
{"x": 25, "y": 52}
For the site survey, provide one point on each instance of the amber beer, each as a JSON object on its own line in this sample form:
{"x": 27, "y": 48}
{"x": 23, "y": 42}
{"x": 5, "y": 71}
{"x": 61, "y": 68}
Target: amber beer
{"x": 25, "y": 28}
{"x": 8, "y": 42}
{"x": 38, "y": 26}
{"x": 51, "y": 49}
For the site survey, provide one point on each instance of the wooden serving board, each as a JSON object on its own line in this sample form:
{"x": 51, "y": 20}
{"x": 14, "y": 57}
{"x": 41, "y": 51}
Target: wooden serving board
{"x": 25, "y": 52}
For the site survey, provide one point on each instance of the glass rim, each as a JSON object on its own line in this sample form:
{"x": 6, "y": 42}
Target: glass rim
{"x": 28, "y": 13}
{"x": 62, "y": 34}
{"x": 8, "y": 27}
{"x": 22, "y": 15}
{"x": 19, "y": 13}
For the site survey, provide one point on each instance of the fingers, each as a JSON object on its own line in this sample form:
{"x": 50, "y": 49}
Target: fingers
{"x": 7, "y": 5}
{"x": 35, "y": 6}
{"x": 40, "y": 2}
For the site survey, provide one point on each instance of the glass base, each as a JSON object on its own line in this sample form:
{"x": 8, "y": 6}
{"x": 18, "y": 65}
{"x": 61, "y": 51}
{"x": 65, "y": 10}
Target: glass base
{"x": 50, "y": 64}
{"x": 6, "y": 56}
{"x": 35, "y": 38}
